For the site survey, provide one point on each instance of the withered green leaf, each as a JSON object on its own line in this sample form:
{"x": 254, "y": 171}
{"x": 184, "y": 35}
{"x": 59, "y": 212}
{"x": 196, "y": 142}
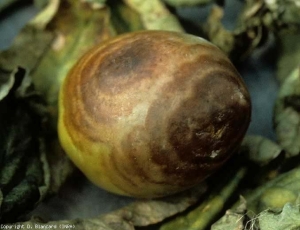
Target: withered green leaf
{"x": 260, "y": 149}
{"x": 233, "y": 219}
{"x": 238, "y": 43}
{"x": 31, "y": 43}
{"x": 77, "y": 27}
{"x": 287, "y": 219}
{"x": 40, "y": 4}
{"x": 256, "y": 22}
{"x": 26, "y": 181}
{"x": 181, "y": 3}
{"x": 155, "y": 15}
{"x": 24, "y": 170}
{"x": 124, "y": 18}
{"x": 4, "y": 4}
{"x": 26, "y": 50}
{"x": 265, "y": 203}
{"x": 7, "y": 81}
{"x": 41, "y": 20}
{"x": 229, "y": 221}
{"x": 274, "y": 15}
{"x": 287, "y": 114}
{"x": 139, "y": 213}
{"x": 275, "y": 193}
{"x": 288, "y": 54}
{"x": 201, "y": 216}
{"x": 143, "y": 213}
{"x": 96, "y": 4}
{"x": 216, "y": 32}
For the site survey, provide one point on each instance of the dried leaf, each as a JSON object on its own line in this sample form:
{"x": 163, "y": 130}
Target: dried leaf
{"x": 4, "y": 4}
{"x": 30, "y": 46}
{"x": 181, "y": 3}
{"x": 155, "y": 15}
{"x": 139, "y": 213}
{"x": 148, "y": 212}
{"x": 110, "y": 223}
{"x": 24, "y": 170}
{"x": 201, "y": 216}
{"x": 230, "y": 221}
{"x": 265, "y": 203}
{"x": 96, "y": 4}
{"x": 7, "y": 80}
{"x": 274, "y": 15}
{"x": 123, "y": 18}
{"x": 287, "y": 219}
{"x": 217, "y": 33}
{"x": 260, "y": 149}
{"x": 256, "y": 22}
{"x": 233, "y": 219}
{"x": 44, "y": 17}
{"x": 275, "y": 193}
{"x": 285, "y": 12}
{"x": 287, "y": 114}
{"x": 60, "y": 166}
{"x": 40, "y": 4}
{"x": 289, "y": 54}
{"x": 78, "y": 26}
{"x": 31, "y": 43}
{"x": 26, "y": 50}
{"x": 238, "y": 43}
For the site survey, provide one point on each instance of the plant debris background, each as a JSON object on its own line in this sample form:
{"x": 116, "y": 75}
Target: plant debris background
{"x": 78, "y": 198}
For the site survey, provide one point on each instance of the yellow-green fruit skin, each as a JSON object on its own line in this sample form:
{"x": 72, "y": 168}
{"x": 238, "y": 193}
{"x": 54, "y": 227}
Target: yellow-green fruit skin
{"x": 152, "y": 113}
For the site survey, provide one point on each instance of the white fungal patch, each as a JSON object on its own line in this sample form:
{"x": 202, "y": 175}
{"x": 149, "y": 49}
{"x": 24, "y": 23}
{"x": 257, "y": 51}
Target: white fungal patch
{"x": 214, "y": 153}
{"x": 238, "y": 95}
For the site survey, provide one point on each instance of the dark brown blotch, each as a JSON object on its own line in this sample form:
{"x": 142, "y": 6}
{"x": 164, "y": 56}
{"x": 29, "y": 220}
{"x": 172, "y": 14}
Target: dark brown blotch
{"x": 204, "y": 130}
{"x": 121, "y": 68}
{"x": 209, "y": 120}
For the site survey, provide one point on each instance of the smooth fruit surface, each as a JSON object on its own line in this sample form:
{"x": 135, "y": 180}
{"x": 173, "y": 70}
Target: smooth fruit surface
{"x": 152, "y": 113}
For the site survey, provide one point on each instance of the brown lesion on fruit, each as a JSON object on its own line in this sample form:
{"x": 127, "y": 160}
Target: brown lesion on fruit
{"x": 203, "y": 129}
{"x": 135, "y": 148}
{"x": 125, "y": 66}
